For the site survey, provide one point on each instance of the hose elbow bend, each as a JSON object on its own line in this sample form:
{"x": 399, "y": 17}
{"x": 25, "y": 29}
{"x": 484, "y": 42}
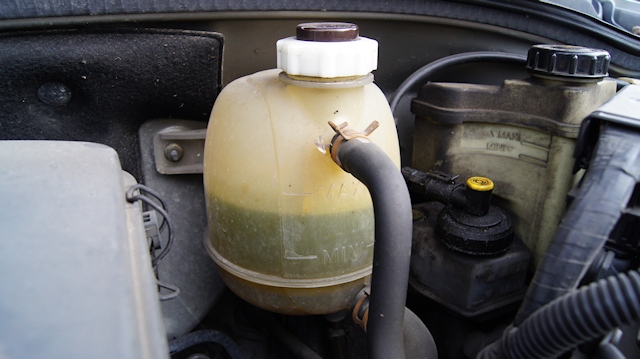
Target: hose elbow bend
{"x": 392, "y": 250}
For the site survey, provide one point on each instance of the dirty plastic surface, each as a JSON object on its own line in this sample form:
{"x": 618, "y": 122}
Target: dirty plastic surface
{"x": 74, "y": 259}
{"x": 285, "y": 222}
{"x": 521, "y": 135}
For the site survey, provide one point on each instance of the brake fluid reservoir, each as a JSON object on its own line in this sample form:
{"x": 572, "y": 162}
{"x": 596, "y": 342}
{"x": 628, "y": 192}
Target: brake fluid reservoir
{"x": 290, "y": 231}
{"x": 521, "y": 134}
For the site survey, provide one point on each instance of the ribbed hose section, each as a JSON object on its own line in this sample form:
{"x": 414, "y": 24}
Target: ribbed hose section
{"x": 604, "y": 194}
{"x": 578, "y": 317}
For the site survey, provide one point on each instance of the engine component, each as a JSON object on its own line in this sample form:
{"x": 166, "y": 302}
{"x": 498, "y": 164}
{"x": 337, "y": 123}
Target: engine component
{"x": 151, "y": 199}
{"x": 475, "y": 235}
{"x": 573, "y": 63}
{"x": 188, "y": 265}
{"x": 75, "y": 249}
{"x": 206, "y": 336}
{"x": 466, "y": 240}
{"x": 573, "y": 319}
{"x": 521, "y": 134}
{"x": 423, "y": 74}
{"x": 474, "y": 284}
{"x": 291, "y": 231}
{"x": 367, "y": 162}
{"x": 607, "y": 187}
{"x": 600, "y": 200}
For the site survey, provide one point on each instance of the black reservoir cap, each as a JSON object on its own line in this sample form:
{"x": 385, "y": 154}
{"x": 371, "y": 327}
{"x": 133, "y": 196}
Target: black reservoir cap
{"x": 327, "y": 31}
{"x": 485, "y": 235}
{"x": 568, "y": 61}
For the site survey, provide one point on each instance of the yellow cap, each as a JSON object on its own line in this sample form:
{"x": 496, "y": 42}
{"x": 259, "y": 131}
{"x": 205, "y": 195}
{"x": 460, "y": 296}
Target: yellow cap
{"x": 481, "y": 184}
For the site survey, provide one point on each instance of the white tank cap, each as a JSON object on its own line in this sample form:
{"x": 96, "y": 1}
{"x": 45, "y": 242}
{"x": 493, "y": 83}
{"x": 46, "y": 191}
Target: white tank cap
{"x": 327, "y": 49}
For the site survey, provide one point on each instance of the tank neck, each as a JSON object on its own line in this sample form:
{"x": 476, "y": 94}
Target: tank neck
{"x": 550, "y": 81}
{"x": 326, "y": 83}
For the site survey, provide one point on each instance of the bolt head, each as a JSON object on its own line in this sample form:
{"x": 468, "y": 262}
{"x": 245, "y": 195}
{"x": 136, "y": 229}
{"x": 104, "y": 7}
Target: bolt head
{"x": 173, "y": 152}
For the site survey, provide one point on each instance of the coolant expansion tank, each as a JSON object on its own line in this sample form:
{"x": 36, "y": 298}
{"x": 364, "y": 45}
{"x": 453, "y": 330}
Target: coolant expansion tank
{"x": 291, "y": 231}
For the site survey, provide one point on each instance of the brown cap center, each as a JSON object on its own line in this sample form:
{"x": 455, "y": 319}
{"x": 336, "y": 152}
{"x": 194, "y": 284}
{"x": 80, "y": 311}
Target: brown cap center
{"x": 327, "y": 31}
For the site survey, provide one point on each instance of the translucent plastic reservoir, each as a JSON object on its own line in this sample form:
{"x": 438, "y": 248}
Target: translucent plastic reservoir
{"x": 521, "y": 135}
{"x": 289, "y": 229}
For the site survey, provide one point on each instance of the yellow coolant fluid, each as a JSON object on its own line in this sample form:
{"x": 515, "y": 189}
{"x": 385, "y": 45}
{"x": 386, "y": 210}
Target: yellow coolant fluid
{"x": 290, "y": 231}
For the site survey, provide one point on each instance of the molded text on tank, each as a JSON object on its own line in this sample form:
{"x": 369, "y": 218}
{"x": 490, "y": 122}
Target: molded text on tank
{"x": 345, "y": 254}
{"x": 500, "y": 147}
{"x": 337, "y": 192}
{"x": 514, "y": 136}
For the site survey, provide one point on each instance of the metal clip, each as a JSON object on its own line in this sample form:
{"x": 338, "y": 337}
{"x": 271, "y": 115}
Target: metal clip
{"x": 360, "y": 309}
{"x": 349, "y": 133}
{"x": 345, "y": 133}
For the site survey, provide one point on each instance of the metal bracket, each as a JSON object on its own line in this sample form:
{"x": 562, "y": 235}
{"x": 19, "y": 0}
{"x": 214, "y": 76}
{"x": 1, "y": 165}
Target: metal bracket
{"x": 179, "y": 148}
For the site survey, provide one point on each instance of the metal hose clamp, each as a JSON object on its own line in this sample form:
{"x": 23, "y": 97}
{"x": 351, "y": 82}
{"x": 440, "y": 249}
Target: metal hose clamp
{"x": 345, "y": 133}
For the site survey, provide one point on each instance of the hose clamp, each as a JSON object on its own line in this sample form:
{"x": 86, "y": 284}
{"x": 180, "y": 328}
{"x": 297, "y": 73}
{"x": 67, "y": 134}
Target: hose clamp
{"x": 345, "y": 133}
{"x": 360, "y": 309}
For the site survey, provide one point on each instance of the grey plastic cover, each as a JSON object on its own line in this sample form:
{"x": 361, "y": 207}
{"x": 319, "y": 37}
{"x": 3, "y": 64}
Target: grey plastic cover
{"x": 75, "y": 272}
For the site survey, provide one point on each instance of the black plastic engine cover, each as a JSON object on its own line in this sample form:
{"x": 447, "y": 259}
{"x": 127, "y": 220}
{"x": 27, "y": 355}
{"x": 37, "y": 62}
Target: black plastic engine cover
{"x": 101, "y": 85}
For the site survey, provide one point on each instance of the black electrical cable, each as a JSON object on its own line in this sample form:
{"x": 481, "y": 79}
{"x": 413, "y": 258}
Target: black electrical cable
{"x": 574, "y": 319}
{"x": 162, "y": 209}
{"x": 164, "y": 214}
{"x": 131, "y": 197}
{"x": 156, "y": 195}
{"x": 423, "y": 74}
{"x": 175, "y": 291}
{"x": 204, "y": 337}
{"x": 601, "y": 199}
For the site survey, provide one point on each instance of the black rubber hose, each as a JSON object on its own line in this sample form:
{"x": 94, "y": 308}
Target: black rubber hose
{"x": 609, "y": 351}
{"x": 392, "y": 249}
{"x": 423, "y": 74}
{"x": 573, "y": 319}
{"x": 418, "y": 342}
{"x": 294, "y": 345}
{"x": 604, "y": 193}
{"x": 203, "y": 337}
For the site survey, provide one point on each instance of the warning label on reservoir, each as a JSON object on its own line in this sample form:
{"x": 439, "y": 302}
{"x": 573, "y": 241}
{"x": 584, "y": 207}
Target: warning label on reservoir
{"x": 508, "y": 141}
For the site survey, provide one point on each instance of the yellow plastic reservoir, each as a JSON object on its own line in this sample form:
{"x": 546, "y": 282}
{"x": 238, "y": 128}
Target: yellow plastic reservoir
{"x": 290, "y": 231}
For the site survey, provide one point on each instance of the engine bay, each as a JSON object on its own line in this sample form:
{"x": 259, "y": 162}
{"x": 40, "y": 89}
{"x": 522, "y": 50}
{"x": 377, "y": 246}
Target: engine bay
{"x": 439, "y": 179}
